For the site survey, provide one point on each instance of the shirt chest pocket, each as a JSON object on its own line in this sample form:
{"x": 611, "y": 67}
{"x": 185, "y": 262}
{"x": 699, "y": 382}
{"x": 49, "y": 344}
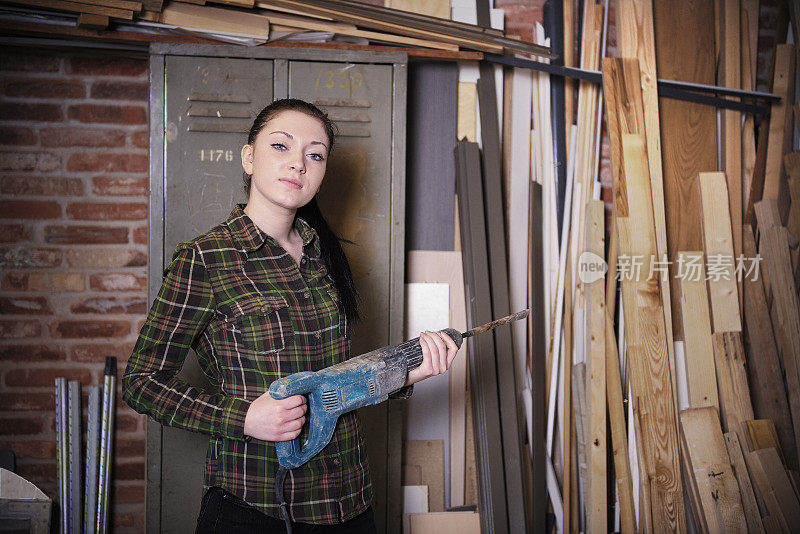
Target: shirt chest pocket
{"x": 264, "y": 323}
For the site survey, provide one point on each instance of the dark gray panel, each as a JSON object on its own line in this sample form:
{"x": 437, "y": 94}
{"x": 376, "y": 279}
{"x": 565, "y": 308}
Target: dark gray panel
{"x": 482, "y": 366}
{"x": 538, "y": 362}
{"x": 209, "y": 106}
{"x": 510, "y": 402}
{"x": 432, "y": 117}
{"x": 357, "y": 201}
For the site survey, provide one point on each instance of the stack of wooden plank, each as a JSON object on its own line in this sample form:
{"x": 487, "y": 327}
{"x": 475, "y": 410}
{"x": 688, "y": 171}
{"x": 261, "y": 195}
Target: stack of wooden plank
{"x": 313, "y": 20}
{"x": 94, "y": 14}
{"x": 706, "y": 347}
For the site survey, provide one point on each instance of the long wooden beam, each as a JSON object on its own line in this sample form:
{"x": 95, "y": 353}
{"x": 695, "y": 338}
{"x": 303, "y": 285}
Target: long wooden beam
{"x": 764, "y": 365}
{"x": 651, "y": 378}
{"x": 688, "y": 130}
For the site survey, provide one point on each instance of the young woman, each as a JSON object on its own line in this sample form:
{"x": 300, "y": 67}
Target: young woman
{"x": 265, "y": 294}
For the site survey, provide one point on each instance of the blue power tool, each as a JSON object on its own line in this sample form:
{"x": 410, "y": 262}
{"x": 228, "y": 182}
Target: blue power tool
{"x": 360, "y": 381}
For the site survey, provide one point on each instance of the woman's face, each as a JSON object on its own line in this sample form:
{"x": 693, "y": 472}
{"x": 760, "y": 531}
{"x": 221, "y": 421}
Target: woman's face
{"x": 287, "y": 160}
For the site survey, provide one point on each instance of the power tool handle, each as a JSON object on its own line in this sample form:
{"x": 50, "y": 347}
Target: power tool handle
{"x": 412, "y": 350}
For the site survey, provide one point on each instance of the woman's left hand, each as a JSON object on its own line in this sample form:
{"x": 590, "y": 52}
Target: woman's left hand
{"x": 438, "y": 352}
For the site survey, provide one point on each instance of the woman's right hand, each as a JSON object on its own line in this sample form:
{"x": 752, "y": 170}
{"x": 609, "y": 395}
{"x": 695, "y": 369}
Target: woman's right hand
{"x": 269, "y": 419}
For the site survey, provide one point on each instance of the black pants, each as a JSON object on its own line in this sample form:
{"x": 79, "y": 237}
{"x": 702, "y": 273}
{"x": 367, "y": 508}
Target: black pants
{"x": 221, "y": 512}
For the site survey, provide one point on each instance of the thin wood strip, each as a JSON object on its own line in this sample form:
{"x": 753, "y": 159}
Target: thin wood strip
{"x": 732, "y": 120}
{"x": 764, "y": 366}
{"x": 596, "y": 363}
{"x": 699, "y": 349}
{"x": 637, "y": 39}
{"x": 718, "y": 245}
{"x": 785, "y": 310}
{"x": 581, "y": 431}
{"x": 748, "y": 77}
{"x": 379, "y": 25}
{"x": 791, "y": 163}
{"x": 749, "y": 503}
{"x": 734, "y": 391}
{"x": 780, "y": 128}
{"x": 644, "y": 319}
{"x": 619, "y": 439}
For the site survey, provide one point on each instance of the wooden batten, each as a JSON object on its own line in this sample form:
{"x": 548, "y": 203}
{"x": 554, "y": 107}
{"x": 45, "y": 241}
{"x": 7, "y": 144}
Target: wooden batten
{"x": 616, "y": 407}
{"x": 651, "y": 376}
{"x": 732, "y": 120}
{"x": 718, "y": 245}
{"x": 596, "y": 374}
{"x": 712, "y": 474}
{"x": 765, "y": 374}
{"x": 785, "y": 308}
{"x": 780, "y": 129}
{"x": 734, "y": 391}
{"x": 773, "y": 482}
{"x": 699, "y": 349}
{"x": 749, "y": 504}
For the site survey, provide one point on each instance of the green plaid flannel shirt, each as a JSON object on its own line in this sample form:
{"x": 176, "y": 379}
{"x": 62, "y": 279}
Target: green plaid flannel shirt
{"x": 252, "y": 315}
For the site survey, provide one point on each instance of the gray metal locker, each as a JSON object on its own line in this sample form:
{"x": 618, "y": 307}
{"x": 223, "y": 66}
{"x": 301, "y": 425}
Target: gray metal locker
{"x": 203, "y": 100}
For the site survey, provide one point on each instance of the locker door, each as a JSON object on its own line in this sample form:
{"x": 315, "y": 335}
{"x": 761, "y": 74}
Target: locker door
{"x": 356, "y": 198}
{"x": 209, "y": 106}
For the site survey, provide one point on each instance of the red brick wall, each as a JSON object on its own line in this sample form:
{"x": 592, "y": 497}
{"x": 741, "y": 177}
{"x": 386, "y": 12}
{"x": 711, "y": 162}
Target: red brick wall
{"x": 73, "y": 249}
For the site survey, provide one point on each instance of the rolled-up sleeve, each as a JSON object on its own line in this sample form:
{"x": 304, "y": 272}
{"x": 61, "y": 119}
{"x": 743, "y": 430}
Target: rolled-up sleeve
{"x": 180, "y": 312}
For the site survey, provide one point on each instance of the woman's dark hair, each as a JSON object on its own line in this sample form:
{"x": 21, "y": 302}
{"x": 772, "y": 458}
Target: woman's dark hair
{"x": 335, "y": 259}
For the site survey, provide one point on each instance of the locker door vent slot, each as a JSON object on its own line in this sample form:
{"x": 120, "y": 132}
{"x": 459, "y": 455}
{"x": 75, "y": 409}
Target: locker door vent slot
{"x": 343, "y": 102}
{"x": 218, "y": 97}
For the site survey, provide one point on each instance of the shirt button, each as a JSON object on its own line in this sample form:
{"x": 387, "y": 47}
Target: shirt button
{"x": 264, "y": 309}
{"x": 318, "y": 335}
{"x": 303, "y": 259}
{"x": 335, "y": 461}
{"x": 307, "y": 295}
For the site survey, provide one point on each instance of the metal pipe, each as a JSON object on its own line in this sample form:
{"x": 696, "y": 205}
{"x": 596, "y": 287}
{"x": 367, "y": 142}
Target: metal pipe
{"x": 74, "y": 451}
{"x": 689, "y": 92}
{"x": 92, "y": 459}
{"x": 61, "y": 453}
{"x": 106, "y": 439}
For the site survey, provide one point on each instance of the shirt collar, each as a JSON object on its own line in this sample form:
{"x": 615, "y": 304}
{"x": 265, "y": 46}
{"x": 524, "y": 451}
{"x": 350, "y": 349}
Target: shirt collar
{"x": 247, "y": 234}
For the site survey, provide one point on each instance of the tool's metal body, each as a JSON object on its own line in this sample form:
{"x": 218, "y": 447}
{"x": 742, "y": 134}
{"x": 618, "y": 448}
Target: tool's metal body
{"x": 360, "y": 381}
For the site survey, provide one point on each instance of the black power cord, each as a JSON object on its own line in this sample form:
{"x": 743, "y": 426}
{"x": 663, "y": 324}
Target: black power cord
{"x": 280, "y": 476}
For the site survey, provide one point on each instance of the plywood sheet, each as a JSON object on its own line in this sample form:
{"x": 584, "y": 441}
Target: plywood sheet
{"x": 423, "y": 465}
{"x": 446, "y": 267}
